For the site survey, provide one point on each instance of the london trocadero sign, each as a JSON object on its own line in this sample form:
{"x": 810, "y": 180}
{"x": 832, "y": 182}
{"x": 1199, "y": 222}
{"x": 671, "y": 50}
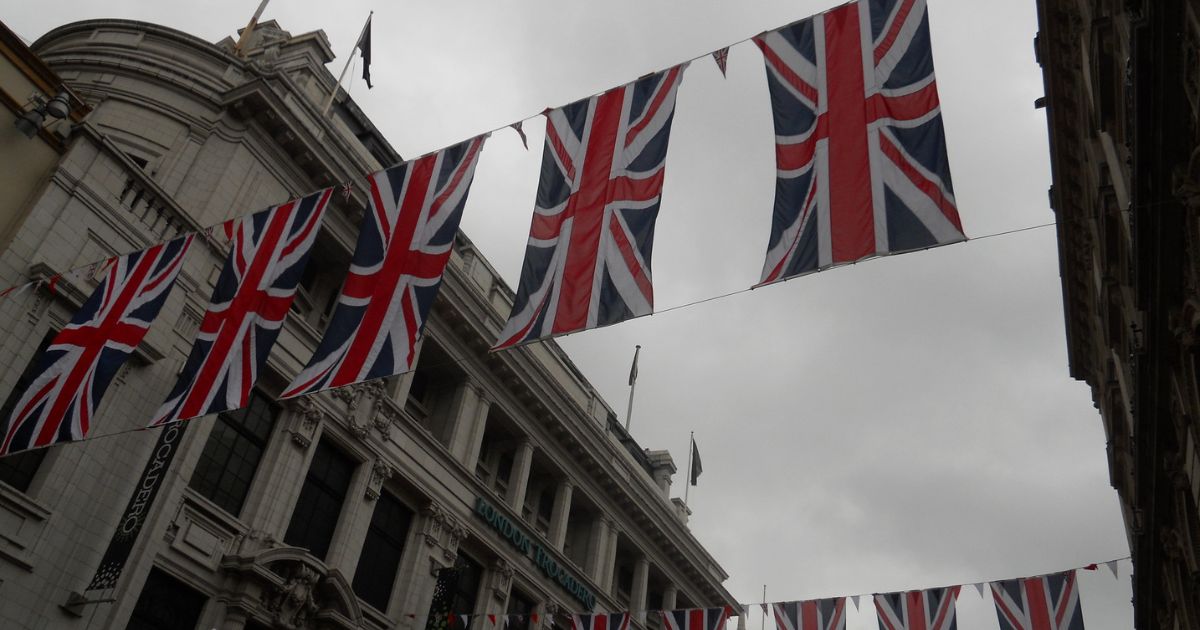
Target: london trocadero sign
{"x": 540, "y": 556}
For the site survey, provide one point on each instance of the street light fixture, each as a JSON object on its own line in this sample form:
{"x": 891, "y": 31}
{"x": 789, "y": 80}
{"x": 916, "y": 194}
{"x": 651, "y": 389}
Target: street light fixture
{"x": 31, "y": 121}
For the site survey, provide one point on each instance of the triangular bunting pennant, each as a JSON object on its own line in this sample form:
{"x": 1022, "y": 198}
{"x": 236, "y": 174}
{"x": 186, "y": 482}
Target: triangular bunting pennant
{"x": 854, "y": 599}
{"x": 979, "y": 586}
{"x": 1112, "y": 566}
{"x": 521, "y": 132}
{"x": 722, "y": 58}
{"x": 492, "y": 619}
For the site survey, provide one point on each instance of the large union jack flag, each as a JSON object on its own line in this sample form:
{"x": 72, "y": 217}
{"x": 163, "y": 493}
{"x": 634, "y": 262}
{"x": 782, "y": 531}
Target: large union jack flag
{"x": 860, "y": 150}
{"x": 83, "y": 358}
{"x": 248, "y": 305}
{"x": 601, "y": 621}
{"x": 813, "y": 614}
{"x": 931, "y": 609}
{"x": 587, "y": 263}
{"x": 696, "y": 618}
{"x": 403, "y": 244}
{"x": 1048, "y": 602}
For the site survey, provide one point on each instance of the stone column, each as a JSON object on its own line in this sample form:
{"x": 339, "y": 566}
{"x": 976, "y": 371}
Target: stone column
{"x": 518, "y": 479}
{"x": 268, "y": 507}
{"x": 610, "y": 560}
{"x": 357, "y": 511}
{"x": 462, "y": 418}
{"x": 641, "y": 583}
{"x": 670, "y": 594}
{"x": 434, "y": 547}
{"x": 478, "y": 429}
{"x": 597, "y": 543}
{"x": 561, "y": 514}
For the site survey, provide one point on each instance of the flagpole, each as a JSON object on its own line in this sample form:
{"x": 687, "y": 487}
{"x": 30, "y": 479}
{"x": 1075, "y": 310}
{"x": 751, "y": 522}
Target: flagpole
{"x": 762, "y": 623}
{"x": 237, "y": 48}
{"x": 632, "y": 387}
{"x": 333, "y": 92}
{"x": 687, "y": 484}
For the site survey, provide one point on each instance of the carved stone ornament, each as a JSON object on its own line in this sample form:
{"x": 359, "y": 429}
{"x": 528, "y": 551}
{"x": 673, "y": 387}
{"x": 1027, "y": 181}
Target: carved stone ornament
{"x": 442, "y": 530}
{"x": 252, "y": 541}
{"x": 292, "y": 604}
{"x": 380, "y": 472}
{"x": 503, "y": 574}
{"x": 362, "y": 400}
{"x": 307, "y": 416}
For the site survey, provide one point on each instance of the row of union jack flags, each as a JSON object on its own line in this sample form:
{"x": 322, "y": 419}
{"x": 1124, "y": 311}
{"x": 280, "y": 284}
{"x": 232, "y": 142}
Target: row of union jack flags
{"x": 1045, "y": 602}
{"x": 861, "y": 171}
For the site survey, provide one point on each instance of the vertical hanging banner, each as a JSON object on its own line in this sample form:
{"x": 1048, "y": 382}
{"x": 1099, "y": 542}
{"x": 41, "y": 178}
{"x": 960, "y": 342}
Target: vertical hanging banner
{"x": 931, "y": 609}
{"x": 404, "y": 242}
{"x": 860, "y": 149}
{"x": 601, "y": 621}
{"x": 248, "y": 305}
{"x": 134, "y": 516}
{"x": 813, "y": 614}
{"x": 83, "y": 358}
{"x": 587, "y": 263}
{"x": 696, "y": 618}
{"x": 1047, "y": 602}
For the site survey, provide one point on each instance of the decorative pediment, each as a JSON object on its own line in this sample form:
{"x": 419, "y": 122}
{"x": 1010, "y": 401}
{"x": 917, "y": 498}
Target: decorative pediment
{"x": 290, "y": 589}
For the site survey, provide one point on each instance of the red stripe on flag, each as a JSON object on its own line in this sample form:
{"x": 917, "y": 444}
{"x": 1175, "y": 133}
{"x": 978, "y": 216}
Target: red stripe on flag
{"x": 1036, "y": 604}
{"x": 931, "y": 189}
{"x": 664, "y": 90}
{"x": 851, "y": 213}
{"x": 631, "y": 261}
{"x": 886, "y": 44}
{"x": 586, "y": 208}
{"x": 786, "y": 72}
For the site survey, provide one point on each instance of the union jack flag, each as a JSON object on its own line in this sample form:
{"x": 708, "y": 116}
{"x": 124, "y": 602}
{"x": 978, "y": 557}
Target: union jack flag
{"x": 1048, "y": 602}
{"x": 813, "y": 614}
{"x": 931, "y": 609}
{"x": 403, "y": 245}
{"x": 248, "y": 305}
{"x": 696, "y": 618}
{"x": 587, "y": 263}
{"x": 860, "y": 150}
{"x": 83, "y": 358}
{"x": 601, "y": 621}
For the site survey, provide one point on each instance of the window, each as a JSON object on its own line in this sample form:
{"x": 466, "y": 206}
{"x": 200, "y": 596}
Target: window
{"x": 380, "y": 559}
{"x": 18, "y": 470}
{"x": 520, "y": 607}
{"x": 320, "y": 502}
{"x": 231, "y": 455}
{"x": 166, "y": 604}
{"x": 466, "y": 587}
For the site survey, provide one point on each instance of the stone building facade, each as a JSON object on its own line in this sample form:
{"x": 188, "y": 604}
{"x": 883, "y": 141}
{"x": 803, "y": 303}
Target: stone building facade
{"x": 479, "y": 483}
{"x": 1122, "y": 100}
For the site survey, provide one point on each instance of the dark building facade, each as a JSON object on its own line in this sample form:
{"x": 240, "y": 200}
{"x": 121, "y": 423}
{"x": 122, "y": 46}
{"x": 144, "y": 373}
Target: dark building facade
{"x": 1122, "y": 101}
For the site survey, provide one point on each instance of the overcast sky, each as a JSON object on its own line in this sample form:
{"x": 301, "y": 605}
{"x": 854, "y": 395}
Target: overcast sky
{"x": 899, "y": 424}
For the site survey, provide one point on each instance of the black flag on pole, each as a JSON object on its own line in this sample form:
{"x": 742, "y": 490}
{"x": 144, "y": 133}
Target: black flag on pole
{"x": 696, "y": 469}
{"x": 364, "y": 47}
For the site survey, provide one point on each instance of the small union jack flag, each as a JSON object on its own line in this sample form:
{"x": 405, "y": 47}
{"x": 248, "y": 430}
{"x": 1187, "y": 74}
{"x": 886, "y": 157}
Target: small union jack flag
{"x": 860, "y": 148}
{"x": 696, "y": 618}
{"x": 601, "y": 621}
{"x": 721, "y": 56}
{"x": 813, "y": 614}
{"x": 587, "y": 263}
{"x": 1048, "y": 602}
{"x": 931, "y": 609}
{"x": 248, "y": 305}
{"x": 404, "y": 243}
{"x": 83, "y": 358}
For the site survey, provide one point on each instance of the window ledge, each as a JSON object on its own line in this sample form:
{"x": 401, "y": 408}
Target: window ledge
{"x": 20, "y": 516}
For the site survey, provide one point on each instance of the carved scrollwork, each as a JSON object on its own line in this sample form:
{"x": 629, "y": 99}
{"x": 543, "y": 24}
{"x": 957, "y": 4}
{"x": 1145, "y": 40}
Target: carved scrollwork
{"x": 308, "y": 415}
{"x": 295, "y": 601}
{"x": 380, "y": 472}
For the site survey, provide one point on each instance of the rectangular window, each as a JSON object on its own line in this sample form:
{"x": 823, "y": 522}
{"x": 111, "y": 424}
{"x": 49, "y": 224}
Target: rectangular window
{"x": 380, "y": 559}
{"x": 231, "y": 455}
{"x": 166, "y": 604}
{"x": 18, "y": 470}
{"x": 520, "y": 607}
{"x": 320, "y": 504}
{"x": 466, "y": 587}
